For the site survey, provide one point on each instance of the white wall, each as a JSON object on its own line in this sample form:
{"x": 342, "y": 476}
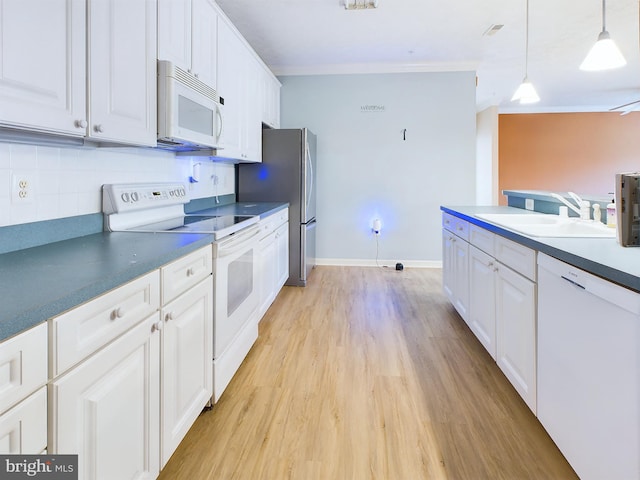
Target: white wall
{"x": 366, "y": 170}
{"x": 66, "y": 182}
{"x": 487, "y": 190}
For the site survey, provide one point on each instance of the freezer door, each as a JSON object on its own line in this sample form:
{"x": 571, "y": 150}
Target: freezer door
{"x": 307, "y": 250}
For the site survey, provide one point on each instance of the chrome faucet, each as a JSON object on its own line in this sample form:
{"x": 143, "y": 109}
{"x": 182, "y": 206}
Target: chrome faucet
{"x": 583, "y": 208}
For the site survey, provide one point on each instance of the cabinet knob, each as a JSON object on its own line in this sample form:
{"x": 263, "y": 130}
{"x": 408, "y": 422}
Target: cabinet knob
{"x": 190, "y": 272}
{"x": 80, "y": 123}
{"x": 156, "y": 326}
{"x": 168, "y": 316}
{"x": 117, "y": 313}
{"x": 98, "y": 128}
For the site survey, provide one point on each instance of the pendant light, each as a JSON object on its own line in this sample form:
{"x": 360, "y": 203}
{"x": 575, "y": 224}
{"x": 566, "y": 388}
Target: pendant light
{"x": 604, "y": 55}
{"x": 526, "y": 92}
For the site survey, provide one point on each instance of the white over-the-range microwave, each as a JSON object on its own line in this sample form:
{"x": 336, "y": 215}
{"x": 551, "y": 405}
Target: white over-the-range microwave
{"x": 190, "y": 113}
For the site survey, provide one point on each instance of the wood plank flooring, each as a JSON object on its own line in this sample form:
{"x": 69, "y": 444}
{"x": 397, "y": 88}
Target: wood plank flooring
{"x": 367, "y": 373}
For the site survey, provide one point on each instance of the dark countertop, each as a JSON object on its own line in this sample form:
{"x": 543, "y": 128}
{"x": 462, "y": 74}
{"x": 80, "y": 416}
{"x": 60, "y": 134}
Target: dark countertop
{"x": 603, "y": 257}
{"x": 41, "y": 282}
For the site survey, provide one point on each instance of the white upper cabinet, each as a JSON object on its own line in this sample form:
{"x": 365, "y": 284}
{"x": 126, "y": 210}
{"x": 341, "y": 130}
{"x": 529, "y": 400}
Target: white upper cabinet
{"x": 42, "y": 74}
{"x": 122, "y": 71}
{"x": 270, "y": 96}
{"x": 174, "y": 32}
{"x": 188, "y": 36}
{"x": 238, "y": 83}
{"x": 204, "y": 49}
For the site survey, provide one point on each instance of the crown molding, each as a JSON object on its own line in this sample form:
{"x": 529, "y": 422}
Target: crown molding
{"x": 368, "y": 68}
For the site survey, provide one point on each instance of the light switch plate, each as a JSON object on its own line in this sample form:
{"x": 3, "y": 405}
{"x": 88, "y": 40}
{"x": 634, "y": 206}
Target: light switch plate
{"x": 528, "y": 203}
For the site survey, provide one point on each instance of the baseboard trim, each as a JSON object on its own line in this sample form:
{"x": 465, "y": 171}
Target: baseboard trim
{"x": 365, "y": 262}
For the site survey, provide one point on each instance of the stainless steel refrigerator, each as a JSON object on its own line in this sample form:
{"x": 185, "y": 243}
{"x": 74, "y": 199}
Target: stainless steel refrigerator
{"x": 287, "y": 174}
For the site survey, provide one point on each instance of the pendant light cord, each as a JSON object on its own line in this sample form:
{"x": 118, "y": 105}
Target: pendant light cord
{"x": 604, "y": 16}
{"x": 526, "y": 47}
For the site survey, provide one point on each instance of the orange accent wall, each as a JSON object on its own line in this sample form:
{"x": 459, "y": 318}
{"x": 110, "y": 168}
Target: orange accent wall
{"x": 580, "y": 152}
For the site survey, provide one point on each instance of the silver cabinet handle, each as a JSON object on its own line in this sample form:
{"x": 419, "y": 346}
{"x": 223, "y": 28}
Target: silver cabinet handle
{"x": 80, "y": 123}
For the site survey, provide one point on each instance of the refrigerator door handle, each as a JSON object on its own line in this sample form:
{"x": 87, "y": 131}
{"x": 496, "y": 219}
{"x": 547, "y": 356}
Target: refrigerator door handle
{"x": 307, "y": 154}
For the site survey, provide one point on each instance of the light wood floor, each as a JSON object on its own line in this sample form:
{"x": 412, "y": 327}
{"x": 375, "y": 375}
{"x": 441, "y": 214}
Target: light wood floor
{"x": 367, "y": 373}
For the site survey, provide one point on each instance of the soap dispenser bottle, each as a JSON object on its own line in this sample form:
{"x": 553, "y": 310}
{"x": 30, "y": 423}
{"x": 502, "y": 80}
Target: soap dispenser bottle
{"x": 611, "y": 214}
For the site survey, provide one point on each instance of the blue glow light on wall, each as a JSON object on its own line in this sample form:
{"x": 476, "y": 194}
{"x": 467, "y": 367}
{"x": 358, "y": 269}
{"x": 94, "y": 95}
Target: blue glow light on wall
{"x": 263, "y": 173}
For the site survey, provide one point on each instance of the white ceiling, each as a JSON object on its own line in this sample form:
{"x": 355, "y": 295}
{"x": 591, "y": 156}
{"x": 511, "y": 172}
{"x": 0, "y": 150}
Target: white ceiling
{"x": 320, "y": 36}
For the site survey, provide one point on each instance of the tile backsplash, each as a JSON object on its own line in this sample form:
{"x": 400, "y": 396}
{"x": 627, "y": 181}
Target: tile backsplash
{"x": 65, "y": 182}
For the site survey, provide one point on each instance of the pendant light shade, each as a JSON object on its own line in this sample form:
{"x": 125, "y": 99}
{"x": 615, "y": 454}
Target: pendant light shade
{"x": 604, "y": 55}
{"x": 526, "y": 92}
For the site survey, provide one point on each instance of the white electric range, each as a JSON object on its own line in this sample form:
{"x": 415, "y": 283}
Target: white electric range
{"x": 159, "y": 208}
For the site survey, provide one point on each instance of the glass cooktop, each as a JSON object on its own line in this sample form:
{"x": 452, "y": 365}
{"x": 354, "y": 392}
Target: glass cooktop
{"x": 219, "y": 226}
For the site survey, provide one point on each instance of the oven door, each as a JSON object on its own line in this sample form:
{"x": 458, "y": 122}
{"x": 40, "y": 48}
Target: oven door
{"x": 236, "y": 286}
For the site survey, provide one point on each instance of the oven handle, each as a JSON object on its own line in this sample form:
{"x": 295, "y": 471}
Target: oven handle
{"x": 233, "y": 245}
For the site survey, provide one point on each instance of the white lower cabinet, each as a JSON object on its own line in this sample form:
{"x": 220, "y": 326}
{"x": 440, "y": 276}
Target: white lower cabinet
{"x": 23, "y": 399}
{"x": 23, "y": 429}
{"x": 267, "y": 249}
{"x": 273, "y": 258}
{"x": 455, "y": 271}
{"x": 187, "y": 371}
{"x": 282, "y": 253}
{"x": 491, "y": 282}
{"x": 516, "y": 332}
{"x": 482, "y": 298}
{"x": 106, "y": 409}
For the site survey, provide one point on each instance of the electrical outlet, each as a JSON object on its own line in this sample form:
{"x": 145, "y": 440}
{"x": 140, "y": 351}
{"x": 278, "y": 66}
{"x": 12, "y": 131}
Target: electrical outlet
{"x": 22, "y": 188}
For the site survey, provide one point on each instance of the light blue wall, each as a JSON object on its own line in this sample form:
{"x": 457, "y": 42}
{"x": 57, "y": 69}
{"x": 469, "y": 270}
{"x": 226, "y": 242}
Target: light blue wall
{"x": 366, "y": 170}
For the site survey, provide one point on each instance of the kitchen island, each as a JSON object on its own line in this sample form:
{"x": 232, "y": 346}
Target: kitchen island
{"x": 561, "y": 317}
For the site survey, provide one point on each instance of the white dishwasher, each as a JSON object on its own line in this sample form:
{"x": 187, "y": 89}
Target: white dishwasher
{"x": 589, "y": 370}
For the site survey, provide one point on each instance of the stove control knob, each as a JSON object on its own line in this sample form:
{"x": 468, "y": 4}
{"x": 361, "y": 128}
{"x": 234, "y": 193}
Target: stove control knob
{"x": 125, "y": 197}
{"x": 135, "y": 197}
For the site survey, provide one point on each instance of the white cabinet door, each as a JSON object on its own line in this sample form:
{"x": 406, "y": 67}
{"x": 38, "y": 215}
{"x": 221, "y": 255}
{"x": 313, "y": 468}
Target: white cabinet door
{"x": 238, "y": 84}
{"x": 204, "y": 61}
{"x": 122, "y": 71}
{"x": 42, "y": 78}
{"x": 448, "y": 278}
{"x": 516, "y": 332}
{"x": 187, "y": 368}
{"x": 230, "y": 72}
{"x": 482, "y": 298}
{"x": 267, "y": 271}
{"x": 252, "y": 133}
{"x": 461, "y": 277}
{"x": 106, "y": 409}
{"x": 282, "y": 247}
{"x": 23, "y": 429}
{"x": 188, "y": 36}
{"x": 270, "y": 98}
{"x": 174, "y": 32}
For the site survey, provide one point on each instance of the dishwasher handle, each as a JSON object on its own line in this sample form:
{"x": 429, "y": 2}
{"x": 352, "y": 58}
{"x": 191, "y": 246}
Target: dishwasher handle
{"x": 573, "y": 282}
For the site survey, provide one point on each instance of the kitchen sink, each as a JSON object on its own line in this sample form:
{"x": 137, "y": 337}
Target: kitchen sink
{"x": 543, "y": 225}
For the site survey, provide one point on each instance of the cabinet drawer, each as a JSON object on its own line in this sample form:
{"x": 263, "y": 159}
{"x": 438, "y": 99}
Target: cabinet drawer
{"x": 520, "y": 258}
{"x": 271, "y": 223}
{"x": 78, "y": 333}
{"x": 182, "y": 274}
{"x": 482, "y": 239}
{"x": 456, "y": 225}
{"x": 23, "y": 429}
{"x": 23, "y": 365}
